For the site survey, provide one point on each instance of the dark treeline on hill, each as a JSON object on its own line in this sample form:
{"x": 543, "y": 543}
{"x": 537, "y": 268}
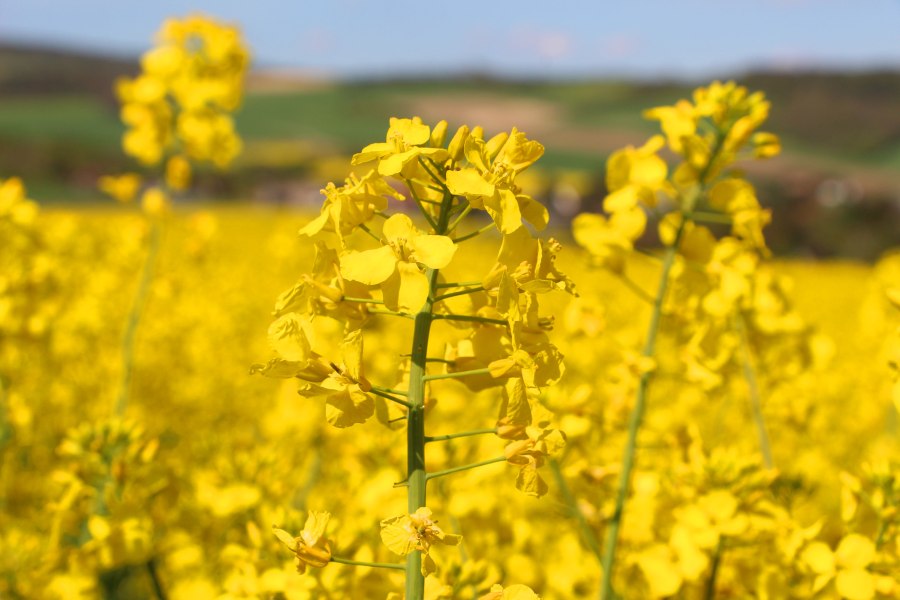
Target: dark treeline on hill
{"x": 835, "y": 191}
{"x": 27, "y": 70}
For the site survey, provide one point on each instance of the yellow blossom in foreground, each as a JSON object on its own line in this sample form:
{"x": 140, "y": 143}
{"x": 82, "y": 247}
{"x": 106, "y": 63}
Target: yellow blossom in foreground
{"x": 394, "y": 266}
{"x": 417, "y": 531}
{"x": 310, "y": 547}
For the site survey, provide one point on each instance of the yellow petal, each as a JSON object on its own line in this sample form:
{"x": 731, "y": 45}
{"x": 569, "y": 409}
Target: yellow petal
{"x": 413, "y": 288}
{"x": 433, "y": 251}
{"x": 660, "y": 572}
{"x": 469, "y": 182}
{"x": 289, "y": 337}
{"x": 819, "y": 557}
{"x": 397, "y": 535}
{"x": 855, "y": 584}
{"x": 399, "y": 228}
{"x": 504, "y": 209}
{"x": 370, "y": 267}
{"x": 855, "y": 551}
{"x": 350, "y": 406}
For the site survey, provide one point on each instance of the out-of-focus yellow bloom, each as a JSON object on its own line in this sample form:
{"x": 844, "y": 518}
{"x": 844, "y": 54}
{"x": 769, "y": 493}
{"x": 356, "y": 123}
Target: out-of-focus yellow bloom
{"x": 311, "y": 547}
{"x": 847, "y": 566}
{"x": 155, "y": 202}
{"x": 513, "y": 592}
{"x": 123, "y": 188}
{"x": 635, "y": 175}
{"x": 178, "y": 173}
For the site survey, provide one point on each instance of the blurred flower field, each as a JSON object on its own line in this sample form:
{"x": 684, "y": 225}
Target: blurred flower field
{"x": 592, "y": 415}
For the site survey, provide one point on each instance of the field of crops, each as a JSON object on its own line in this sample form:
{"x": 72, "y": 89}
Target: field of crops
{"x": 197, "y": 402}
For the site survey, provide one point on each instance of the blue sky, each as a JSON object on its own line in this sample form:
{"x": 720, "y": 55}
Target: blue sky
{"x": 644, "y": 38}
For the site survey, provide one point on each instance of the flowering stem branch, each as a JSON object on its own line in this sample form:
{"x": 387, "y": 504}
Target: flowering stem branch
{"x": 361, "y": 300}
{"x": 453, "y": 436}
{"x": 154, "y": 580}
{"x": 483, "y": 463}
{"x": 637, "y": 413}
{"x": 459, "y": 284}
{"x": 480, "y": 288}
{"x": 365, "y": 228}
{"x": 415, "y": 430}
{"x": 755, "y": 396}
{"x": 634, "y": 422}
{"x": 471, "y": 319}
{"x": 634, "y": 287}
{"x": 392, "y": 313}
{"x": 362, "y": 563}
{"x": 475, "y": 233}
{"x": 134, "y": 318}
{"x": 714, "y": 570}
{"x": 459, "y": 219}
{"x": 418, "y": 200}
{"x": 380, "y": 392}
{"x": 457, "y": 374}
{"x": 587, "y": 533}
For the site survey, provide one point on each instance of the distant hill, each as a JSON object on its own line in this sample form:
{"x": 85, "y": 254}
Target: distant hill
{"x": 33, "y": 70}
{"x": 835, "y": 190}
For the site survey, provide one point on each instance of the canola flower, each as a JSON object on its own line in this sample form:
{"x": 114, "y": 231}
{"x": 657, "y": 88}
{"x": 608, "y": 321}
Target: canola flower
{"x": 406, "y": 267}
{"x": 765, "y": 463}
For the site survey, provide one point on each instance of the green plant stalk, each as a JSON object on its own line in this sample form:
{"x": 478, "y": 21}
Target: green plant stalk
{"x": 415, "y": 429}
{"x": 461, "y": 468}
{"x": 362, "y": 563}
{"x": 755, "y": 397}
{"x": 637, "y": 416}
{"x": 637, "y": 413}
{"x": 586, "y": 532}
{"x": 134, "y": 318}
{"x": 714, "y": 570}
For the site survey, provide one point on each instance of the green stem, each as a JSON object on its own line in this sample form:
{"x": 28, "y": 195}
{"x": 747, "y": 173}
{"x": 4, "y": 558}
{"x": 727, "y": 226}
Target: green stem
{"x": 456, "y": 284}
{"x": 483, "y": 463}
{"x": 365, "y": 228}
{"x": 634, "y": 423}
{"x": 415, "y": 429}
{"x": 134, "y": 318}
{"x": 154, "y": 580}
{"x": 391, "y": 313}
{"x": 453, "y": 436}
{"x": 415, "y": 196}
{"x": 714, "y": 570}
{"x": 637, "y": 412}
{"x": 471, "y": 319}
{"x": 638, "y": 290}
{"x": 459, "y": 219}
{"x": 755, "y": 396}
{"x": 457, "y": 374}
{"x": 712, "y": 217}
{"x": 362, "y": 563}
{"x": 361, "y": 300}
{"x": 475, "y": 233}
{"x": 378, "y": 392}
{"x": 586, "y": 532}
{"x": 480, "y": 288}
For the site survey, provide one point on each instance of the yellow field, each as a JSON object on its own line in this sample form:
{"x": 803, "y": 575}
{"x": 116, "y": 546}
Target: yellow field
{"x": 209, "y": 458}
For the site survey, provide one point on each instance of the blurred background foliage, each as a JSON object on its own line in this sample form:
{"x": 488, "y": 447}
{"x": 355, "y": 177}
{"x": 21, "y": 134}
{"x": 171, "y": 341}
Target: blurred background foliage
{"x": 835, "y": 192}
